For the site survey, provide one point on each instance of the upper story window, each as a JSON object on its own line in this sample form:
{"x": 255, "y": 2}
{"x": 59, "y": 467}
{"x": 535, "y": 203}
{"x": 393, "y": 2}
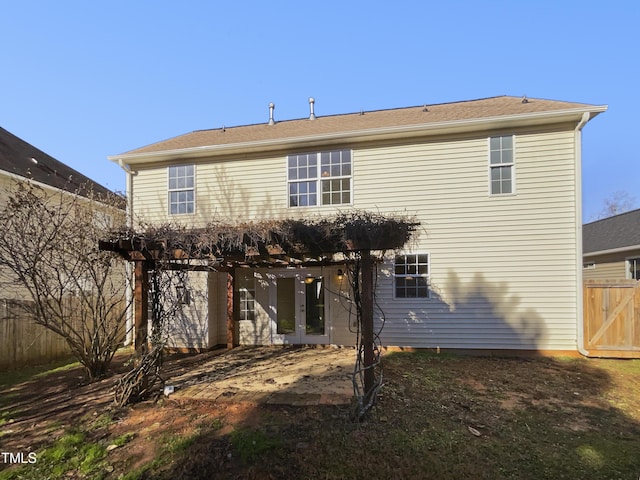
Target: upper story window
{"x": 322, "y": 178}
{"x": 411, "y": 272}
{"x": 181, "y": 189}
{"x": 501, "y": 165}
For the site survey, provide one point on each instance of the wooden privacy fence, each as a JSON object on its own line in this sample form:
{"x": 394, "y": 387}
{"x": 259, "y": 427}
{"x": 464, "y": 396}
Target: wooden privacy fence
{"x": 612, "y": 318}
{"x": 24, "y": 342}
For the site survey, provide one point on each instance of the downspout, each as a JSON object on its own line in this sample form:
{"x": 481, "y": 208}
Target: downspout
{"x": 578, "y": 166}
{"x": 129, "y": 187}
{"x": 129, "y": 271}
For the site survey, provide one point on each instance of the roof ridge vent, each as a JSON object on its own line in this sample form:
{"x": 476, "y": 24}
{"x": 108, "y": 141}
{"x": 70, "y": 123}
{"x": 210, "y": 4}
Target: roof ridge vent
{"x": 271, "y": 108}
{"x": 312, "y": 115}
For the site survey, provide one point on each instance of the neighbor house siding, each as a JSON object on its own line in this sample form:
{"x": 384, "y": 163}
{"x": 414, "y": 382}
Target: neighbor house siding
{"x": 608, "y": 267}
{"x": 503, "y": 267}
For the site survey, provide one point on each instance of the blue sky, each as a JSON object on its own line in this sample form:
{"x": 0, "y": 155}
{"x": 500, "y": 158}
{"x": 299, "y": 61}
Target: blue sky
{"x": 85, "y": 80}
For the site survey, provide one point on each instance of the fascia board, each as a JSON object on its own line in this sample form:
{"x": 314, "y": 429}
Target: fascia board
{"x": 613, "y": 250}
{"x": 50, "y": 188}
{"x": 357, "y": 136}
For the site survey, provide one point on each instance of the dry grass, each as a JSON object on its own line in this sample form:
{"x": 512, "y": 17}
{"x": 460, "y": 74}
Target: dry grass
{"x": 439, "y": 416}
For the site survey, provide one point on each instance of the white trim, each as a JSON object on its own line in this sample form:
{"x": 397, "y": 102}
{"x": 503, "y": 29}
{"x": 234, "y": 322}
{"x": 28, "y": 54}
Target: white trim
{"x": 169, "y": 190}
{"x": 613, "y": 250}
{"x": 299, "y": 336}
{"x": 427, "y": 276}
{"x": 627, "y": 266}
{"x": 495, "y": 166}
{"x": 577, "y": 165}
{"x": 252, "y": 293}
{"x": 319, "y": 178}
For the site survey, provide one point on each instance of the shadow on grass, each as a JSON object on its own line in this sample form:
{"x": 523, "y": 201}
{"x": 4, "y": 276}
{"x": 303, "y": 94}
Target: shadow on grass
{"x": 37, "y": 401}
{"x": 443, "y": 417}
{"x": 438, "y": 416}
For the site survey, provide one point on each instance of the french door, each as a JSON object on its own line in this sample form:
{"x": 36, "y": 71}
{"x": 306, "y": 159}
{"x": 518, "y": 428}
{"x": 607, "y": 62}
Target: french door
{"x": 300, "y": 310}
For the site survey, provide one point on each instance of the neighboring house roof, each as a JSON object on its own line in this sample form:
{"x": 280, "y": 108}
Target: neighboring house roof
{"x": 614, "y": 233}
{"x": 370, "y": 123}
{"x": 20, "y": 158}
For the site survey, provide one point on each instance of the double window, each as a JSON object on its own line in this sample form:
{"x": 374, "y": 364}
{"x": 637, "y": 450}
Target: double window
{"x": 411, "y": 275}
{"x": 181, "y": 189}
{"x": 322, "y": 178}
{"x": 501, "y": 165}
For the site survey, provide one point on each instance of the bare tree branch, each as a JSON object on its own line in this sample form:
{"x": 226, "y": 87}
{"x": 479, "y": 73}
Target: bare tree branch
{"x": 49, "y": 255}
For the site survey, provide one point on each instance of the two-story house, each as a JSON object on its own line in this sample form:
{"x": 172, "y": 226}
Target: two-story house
{"x": 495, "y": 184}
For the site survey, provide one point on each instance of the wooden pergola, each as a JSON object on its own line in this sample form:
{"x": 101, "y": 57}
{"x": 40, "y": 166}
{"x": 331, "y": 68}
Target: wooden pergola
{"x": 283, "y": 243}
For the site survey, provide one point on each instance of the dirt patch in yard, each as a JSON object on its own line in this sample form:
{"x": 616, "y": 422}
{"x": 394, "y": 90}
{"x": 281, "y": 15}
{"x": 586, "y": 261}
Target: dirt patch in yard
{"x": 450, "y": 416}
{"x": 38, "y": 409}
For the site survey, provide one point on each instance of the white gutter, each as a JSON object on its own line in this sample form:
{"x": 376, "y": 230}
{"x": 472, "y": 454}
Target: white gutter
{"x": 360, "y": 135}
{"x": 129, "y": 272}
{"x": 613, "y": 250}
{"x": 578, "y": 176}
{"x": 129, "y": 188}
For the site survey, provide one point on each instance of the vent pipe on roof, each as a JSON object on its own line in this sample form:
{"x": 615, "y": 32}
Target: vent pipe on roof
{"x": 312, "y": 116}
{"x": 271, "y": 120}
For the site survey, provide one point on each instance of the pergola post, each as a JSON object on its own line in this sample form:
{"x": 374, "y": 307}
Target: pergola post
{"x": 366, "y": 272}
{"x": 230, "y": 323}
{"x": 141, "y": 307}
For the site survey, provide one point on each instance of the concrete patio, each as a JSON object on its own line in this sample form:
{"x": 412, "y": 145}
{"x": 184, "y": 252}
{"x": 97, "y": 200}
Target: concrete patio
{"x": 283, "y": 375}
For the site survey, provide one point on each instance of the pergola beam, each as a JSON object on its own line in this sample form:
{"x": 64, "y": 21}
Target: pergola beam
{"x": 269, "y": 244}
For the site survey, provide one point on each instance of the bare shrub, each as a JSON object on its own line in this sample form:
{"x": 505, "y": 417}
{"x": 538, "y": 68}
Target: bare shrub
{"x": 49, "y": 255}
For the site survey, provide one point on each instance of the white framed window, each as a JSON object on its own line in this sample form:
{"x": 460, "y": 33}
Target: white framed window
{"x": 181, "y": 189}
{"x": 247, "y": 307}
{"x": 411, "y": 275}
{"x": 321, "y": 178}
{"x": 633, "y": 268}
{"x": 501, "y": 165}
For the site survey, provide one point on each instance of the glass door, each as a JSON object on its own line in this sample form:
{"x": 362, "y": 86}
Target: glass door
{"x": 287, "y": 307}
{"x": 314, "y": 329}
{"x": 300, "y": 313}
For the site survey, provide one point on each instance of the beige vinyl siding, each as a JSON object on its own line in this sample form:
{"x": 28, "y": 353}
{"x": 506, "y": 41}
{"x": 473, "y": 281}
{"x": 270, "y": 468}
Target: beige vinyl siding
{"x": 236, "y": 189}
{"x": 606, "y": 271}
{"x": 189, "y": 327}
{"x": 608, "y": 267}
{"x": 503, "y": 267}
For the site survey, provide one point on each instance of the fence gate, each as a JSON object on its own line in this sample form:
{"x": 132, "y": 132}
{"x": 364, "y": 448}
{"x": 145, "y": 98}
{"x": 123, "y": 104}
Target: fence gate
{"x": 612, "y": 318}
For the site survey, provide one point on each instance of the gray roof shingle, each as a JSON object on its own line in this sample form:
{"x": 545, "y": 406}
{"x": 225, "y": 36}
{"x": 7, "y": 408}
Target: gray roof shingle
{"x": 619, "y": 231}
{"x": 23, "y": 159}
